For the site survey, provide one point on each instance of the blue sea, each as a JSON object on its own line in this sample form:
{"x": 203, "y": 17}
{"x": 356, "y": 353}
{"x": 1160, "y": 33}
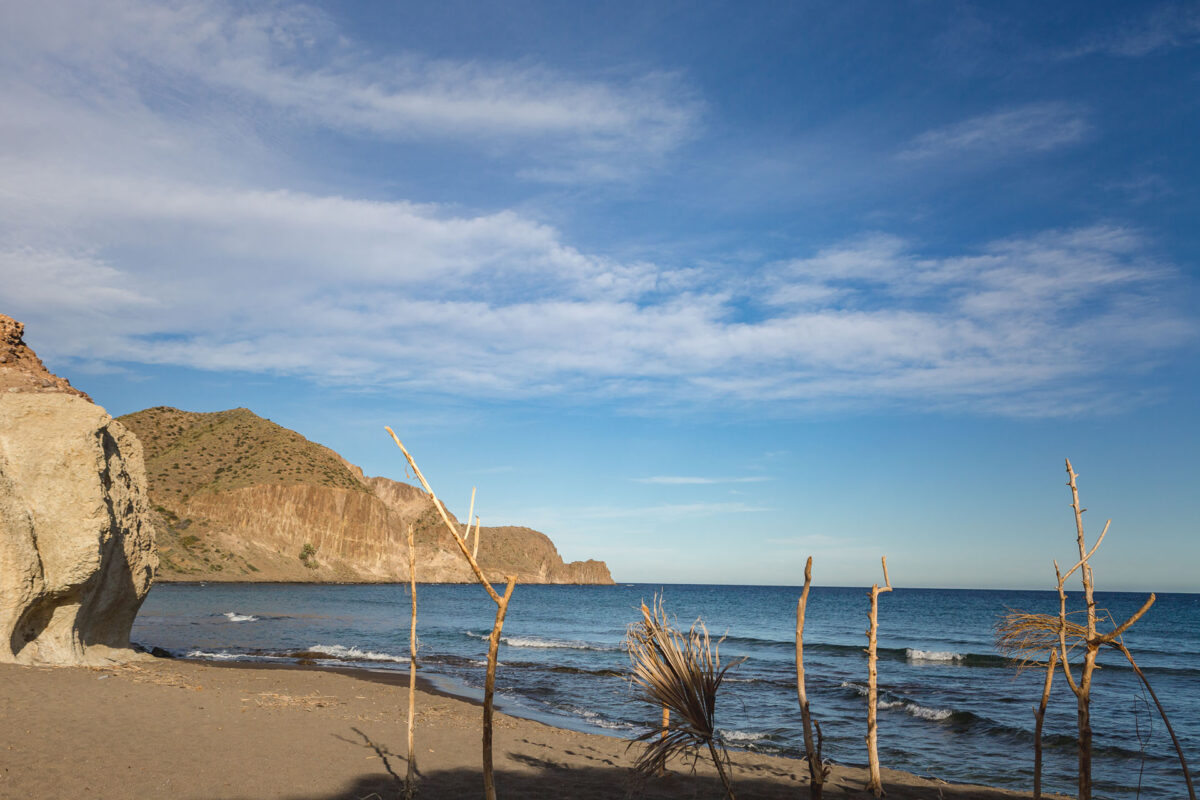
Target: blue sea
{"x": 950, "y": 706}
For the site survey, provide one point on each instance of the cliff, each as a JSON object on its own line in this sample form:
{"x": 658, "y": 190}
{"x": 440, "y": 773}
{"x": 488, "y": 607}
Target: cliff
{"x": 240, "y": 498}
{"x": 76, "y": 537}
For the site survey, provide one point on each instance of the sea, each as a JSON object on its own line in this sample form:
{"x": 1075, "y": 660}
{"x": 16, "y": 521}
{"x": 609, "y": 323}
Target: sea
{"x": 950, "y": 705}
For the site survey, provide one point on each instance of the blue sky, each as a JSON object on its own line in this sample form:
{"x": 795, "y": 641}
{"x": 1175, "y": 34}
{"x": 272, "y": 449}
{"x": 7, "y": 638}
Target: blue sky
{"x": 696, "y": 290}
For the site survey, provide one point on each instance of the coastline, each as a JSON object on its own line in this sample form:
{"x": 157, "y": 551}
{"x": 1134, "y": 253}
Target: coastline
{"x": 185, "y": 729}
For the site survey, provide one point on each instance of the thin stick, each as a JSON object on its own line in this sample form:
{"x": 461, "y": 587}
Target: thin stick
{"x": 666, "y": 726}
{"x": 1187, "y": 776}
{"x": 410, "y": 781}
{"x": 816, "y": 771}
{"x": 1124, "y": 626}
{"x": 475, "y": 552}
{"x": 489, "y": 689}
{"x": 876, "y": 782}
{"x": 446, "y": 519}
{"x": 1083, "y": 690}
{"x": 1039, "y": 715}
{"x": 470, "y": 514}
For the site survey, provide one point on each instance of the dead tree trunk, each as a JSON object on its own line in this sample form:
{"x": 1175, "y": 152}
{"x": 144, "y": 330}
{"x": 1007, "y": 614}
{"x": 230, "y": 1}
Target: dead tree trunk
{"x": 876, "y": 782}
{"x": 817, "y": 771}
{"x": 489, "y": 784}
{"x": 1039, "y": 716}
{"x": 410, "y": 780}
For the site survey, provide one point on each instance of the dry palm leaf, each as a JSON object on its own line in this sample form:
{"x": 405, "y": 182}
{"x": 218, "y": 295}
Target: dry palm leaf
{"x": 681, "y": 672}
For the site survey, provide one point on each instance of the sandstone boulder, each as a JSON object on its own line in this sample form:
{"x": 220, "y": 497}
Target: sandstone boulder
{"x": 77, "y": 552}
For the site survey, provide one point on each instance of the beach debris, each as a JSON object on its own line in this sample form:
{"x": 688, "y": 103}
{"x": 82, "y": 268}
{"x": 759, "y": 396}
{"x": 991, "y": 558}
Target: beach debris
{"x": 681, "y": 672}
{"x": 875, "y": 784}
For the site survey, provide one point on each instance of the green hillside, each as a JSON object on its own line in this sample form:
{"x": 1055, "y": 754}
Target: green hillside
{"x": 188, "y": 452}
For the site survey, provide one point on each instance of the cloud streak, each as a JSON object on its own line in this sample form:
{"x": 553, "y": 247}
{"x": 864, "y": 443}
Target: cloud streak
{"x": 688, "y": 480}
{"x": 1034, "y": 128}
{"x": 1167, "y": 27}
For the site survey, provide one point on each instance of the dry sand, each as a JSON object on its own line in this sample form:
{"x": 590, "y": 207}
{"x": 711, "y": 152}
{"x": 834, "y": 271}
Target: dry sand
{"x": 176, "y": 729}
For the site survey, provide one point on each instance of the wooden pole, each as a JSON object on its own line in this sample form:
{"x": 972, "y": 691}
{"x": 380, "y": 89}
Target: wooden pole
{"x": 876, "y": 782}
{"x": 1084, "y": 689}
{"x": 489, "y": 689}
{"x": 410, "y": 780}
{"x": 666, "y": 727}
{"x": 1039, "y": 716}
{"x": 816, "y": 770}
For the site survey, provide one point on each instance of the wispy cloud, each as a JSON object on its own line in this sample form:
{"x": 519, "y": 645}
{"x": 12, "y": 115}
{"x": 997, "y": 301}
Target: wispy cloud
{"x": 282, "y": 65}
{"x": 1167, "y": 27}
{"x": 685, "y": 480}
{"x": 1038, "y": 127}
{"x": 671, "y": 511}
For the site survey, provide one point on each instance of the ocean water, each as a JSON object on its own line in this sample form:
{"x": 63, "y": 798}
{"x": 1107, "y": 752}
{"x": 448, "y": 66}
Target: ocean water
{"x": 950, "y": 706}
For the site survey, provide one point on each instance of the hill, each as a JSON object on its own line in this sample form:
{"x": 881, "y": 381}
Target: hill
{"x": 240, "y": 498}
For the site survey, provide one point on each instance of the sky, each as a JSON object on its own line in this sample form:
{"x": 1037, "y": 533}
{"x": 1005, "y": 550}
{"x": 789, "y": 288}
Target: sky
{"x": 696, "y": 289}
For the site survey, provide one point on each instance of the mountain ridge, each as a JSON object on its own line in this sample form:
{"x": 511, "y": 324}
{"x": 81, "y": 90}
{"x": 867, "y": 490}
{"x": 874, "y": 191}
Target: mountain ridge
{"x": 241, "y": 498}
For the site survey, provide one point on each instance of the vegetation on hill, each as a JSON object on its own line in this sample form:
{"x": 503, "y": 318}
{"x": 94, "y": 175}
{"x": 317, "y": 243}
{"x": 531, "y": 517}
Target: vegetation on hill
{"x": 238, "y": 497}
{"x": 189, "y": 452}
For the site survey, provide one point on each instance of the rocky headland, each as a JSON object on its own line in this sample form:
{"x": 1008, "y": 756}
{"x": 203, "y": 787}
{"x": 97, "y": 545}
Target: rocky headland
{"x": 76, "y": 537}
{"x": 240, "y": 498}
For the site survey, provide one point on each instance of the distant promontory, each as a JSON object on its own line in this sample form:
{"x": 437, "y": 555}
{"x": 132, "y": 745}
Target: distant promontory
{"x": 240, "y": 498}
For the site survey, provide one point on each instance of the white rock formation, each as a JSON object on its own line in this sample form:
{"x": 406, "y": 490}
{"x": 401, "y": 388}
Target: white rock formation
{"x": 77, "y": 552}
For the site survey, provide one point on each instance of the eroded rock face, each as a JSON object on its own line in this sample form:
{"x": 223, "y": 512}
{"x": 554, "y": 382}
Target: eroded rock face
{"x": 77, "y": 550}
{"x": 20, "y": 368}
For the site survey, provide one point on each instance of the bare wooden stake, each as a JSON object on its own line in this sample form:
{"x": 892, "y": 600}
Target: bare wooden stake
{"x": 410, "y": 780}
{"x": 666, "y": 728}
{"x": 817, "y": 771}
{"x": 489, "y": 689}
{"x": 1039, "y": 716}
{"x": 876, "y": 782}
{"x": 489, "y": 783}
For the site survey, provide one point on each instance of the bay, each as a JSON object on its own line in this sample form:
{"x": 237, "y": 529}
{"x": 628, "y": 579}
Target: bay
{"x": 950, "y": 705}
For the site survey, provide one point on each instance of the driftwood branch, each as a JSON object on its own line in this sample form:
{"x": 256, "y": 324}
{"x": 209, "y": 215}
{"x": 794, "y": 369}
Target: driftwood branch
{"x": 817, "y": 771}
{"x": 489, "y": 784}
{"x": 1127, "y": 624}
{"x": 1039, "y": 716}
{"x": 489, "y": 689}
{"x": 446, "y": 519}
{"x": 876, "y": 781}
{"x": 410, "y": 780}
{"x": 1187, "y": 776}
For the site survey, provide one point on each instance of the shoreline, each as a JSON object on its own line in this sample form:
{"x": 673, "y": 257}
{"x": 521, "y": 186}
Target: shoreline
{"x": 178, "y": 728}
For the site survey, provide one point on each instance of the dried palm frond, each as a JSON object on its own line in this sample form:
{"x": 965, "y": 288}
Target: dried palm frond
{"x": 1028, "y": 639}
{"x": 681, "y": 672}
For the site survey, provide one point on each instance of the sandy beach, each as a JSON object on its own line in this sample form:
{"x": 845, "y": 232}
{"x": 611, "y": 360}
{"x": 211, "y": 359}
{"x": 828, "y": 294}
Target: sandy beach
{"x": 177, "y": 729}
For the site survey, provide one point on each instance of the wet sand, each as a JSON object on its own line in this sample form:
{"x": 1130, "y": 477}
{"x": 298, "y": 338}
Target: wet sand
{"x": 178, "y": 729}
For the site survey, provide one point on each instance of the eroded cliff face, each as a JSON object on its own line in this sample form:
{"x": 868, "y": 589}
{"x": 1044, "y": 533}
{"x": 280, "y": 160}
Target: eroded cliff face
{"x": 242, "y": 499}
{"x": 77, "y": 553}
